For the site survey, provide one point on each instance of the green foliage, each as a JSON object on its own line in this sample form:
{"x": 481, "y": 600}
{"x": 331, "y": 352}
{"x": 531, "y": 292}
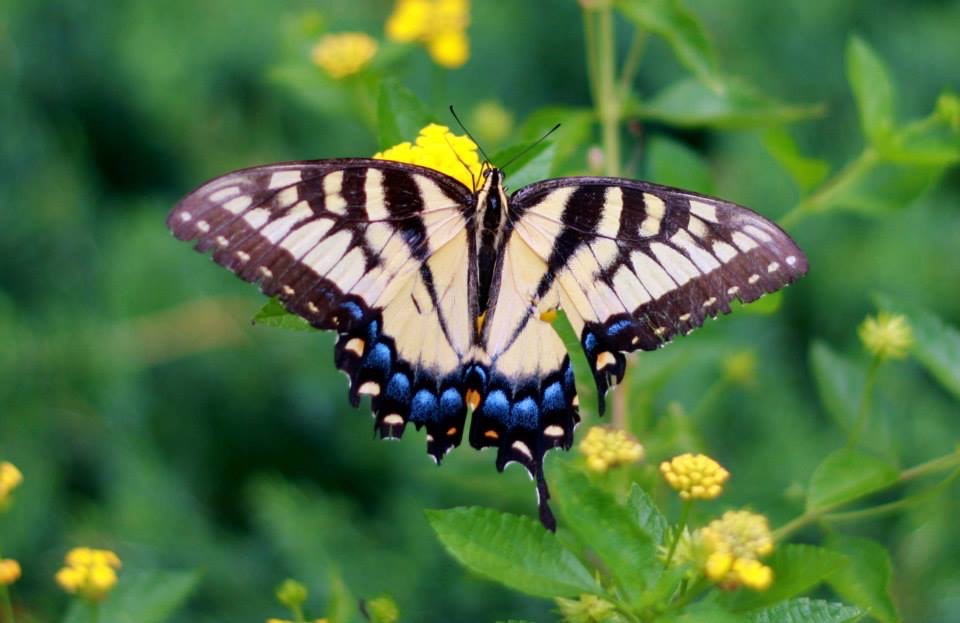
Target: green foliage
{"x": 273, "y": 314}
{"x": 865, "y": 581}
{"x": 809, "y": 610}
{"x": 846, "y": 475}
{"x": 401, "y": 114}
{"x": 872, "y": 89}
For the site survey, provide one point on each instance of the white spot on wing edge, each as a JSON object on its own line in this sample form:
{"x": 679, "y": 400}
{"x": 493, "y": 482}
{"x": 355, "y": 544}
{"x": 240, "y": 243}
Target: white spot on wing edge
{"x": 553, "y": 431}
{"x": 706, "y": 211}
{"x": 370, "y": 389}
{"x": 238, "y": 204}
{"x": 522, "y": 448}
{"x": 284, "y": 178}
{"x": 395, "y": 419}
{"x": 743, "y": 241}
{"x": 185, "y": 216}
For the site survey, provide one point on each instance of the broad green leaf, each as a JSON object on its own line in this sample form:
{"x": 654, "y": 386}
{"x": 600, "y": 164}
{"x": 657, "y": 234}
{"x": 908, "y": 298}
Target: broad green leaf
{"x": 866, "y": 580}
{"x": 846, "y": 475}
{"x": 401, "y": 114}
{"x": 342, "y": 605}
{"x": 273, "y": 314}
{"x": 808, "y": 611}
{"x": 689, "y": 103}
{"x": 796, "y": 570}
{"x": 647, "y": 515}
{"x": 674, "y": 164}
{"x": 514, "y": 551}
{"x": 931, "y": 141}
{"x": 681, "y": 28}
{"x": 806, "y": 172}
{"x": 532, "y": 166}
{"x": 148, "y": 597}
{"x": 936, "y": 344}
{"x": 709, "y": 611}
{"x": 839, "y": 383}
{"x": 576, "y": 125}
{"x": 872, "y": 89}
{"x": 607, "y": 528}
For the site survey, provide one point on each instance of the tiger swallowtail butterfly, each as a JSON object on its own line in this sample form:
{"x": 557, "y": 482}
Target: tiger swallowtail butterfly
{"x": 438, "y": 293}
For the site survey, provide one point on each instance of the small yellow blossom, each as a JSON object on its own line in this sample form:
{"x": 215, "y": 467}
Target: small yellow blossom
{"x": 9, "y": 571}
{"x": 10, "y": 479}
{"x": 383, "y": 609}
{"x": 607, "y": 447}
{"x": 438, "y": 24}
{"x": 695, "y": 476}
{"x": 491, "y": 122}
{"x": 733, "y": 544}
{"x": 886, "y": 335}
{"x": 90, "y": 573}
{"x": 439, "y": 149}
{"x": 344, "y": 54}
{"x": 587, "y": 609}
{"x": 741, "y": 368}
{"x": 291, "y": 593}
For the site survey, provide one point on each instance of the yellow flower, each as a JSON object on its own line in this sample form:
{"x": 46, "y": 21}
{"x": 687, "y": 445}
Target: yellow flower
{"x": 491, "y": 122}
{"x": 383, "y": 610}
{"x": 90, "y": 573}
{"x": 695, "y": 476}
{"x": 344, "y": 54}
{"x": 607, "y": 447}
{"x": 587, "y": 609}
{"x": 439, "y": 149}
{"x": 9, "y": 571}
{"x": 291, "y": 593}
{"x": 886, "y": 335}
{"x": 741, "y": 368}
{"x": 438, "y": 24}
{"x": 733, "y": 544}
{"x": 10, "y": 479}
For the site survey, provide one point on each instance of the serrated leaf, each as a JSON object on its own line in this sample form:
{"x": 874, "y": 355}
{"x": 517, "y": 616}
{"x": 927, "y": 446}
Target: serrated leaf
{"x": 936, "y": 344}
{"x": 682, "y": 30}
{"x": 808, "y": 611}
{"x": 400, "y": 114}
{"x": 273, "y": 314}
{"x": 839, "y": 383}
{"x": 689, "y": 103}
{"x": 846, "y": 475}
{"x": 866, "y": 580}
{"x": 872, "y": 89}
{"x": 606, "y": 528}
{"x": 674, "y": 164}
{"x": 796, "y": 570}
{"x": 148, "y": 597}
{"x": 806, "y": 172}
{"x": 647, "y": 515}
{"x": 514, "y": 551}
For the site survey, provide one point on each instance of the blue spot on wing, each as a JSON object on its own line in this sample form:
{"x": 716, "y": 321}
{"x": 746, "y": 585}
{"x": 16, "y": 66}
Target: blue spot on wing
{"x": 496, "y": 405}
{"x": 423, "y": 407}
{"x": 553, "y": 399}
{"x": 450, "y": 402}
{"x": 399, "y": 388}
{"x": 379, "y": 358}
{"x": 525, "y": 413}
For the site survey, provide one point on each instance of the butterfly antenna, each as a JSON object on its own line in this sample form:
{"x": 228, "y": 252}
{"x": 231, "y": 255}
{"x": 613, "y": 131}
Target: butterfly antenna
{"x": 538, "y": 141}
{"x": 473, "y": 180}
{"x": 467, "y": 132}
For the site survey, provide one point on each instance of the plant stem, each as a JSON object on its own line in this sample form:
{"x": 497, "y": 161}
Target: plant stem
{"x": 631, "y": 63}
{"x": 607, "y": 103}
{"x": 863, "y": 412}
{"x": 890, "y": 507}
{"x": 684, "y": 515}
{"x": 7, "y": 605}
{"x": 821, "y": 200}
{"x": 590, "y": 43}
{"x": 939, "y": 464}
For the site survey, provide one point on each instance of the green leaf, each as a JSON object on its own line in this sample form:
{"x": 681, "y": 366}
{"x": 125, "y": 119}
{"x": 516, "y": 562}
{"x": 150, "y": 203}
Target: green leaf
{"x": 148, "y": 597}
{"x": 886, "y": 187}
{"x": 936, "y": 344}
{"x": 872, "y": 90}
{"x": 866, "y": 580}
{"x": 764, "y": 306}
{"x": 708, "y": 611}
{"x": 273, "y": 314}
{"x": 647, "y": 515}
{"x": 342, "y": 605}
{"x": 930, "y": 141}
{"x": 839, "y": 383}
{"x": 674, "y": 164}
{"x": 808, "y": 611}
{"x": 401, "y": 114}
{"x": 796, "y": 570}
{"x": 681, "y": 28}
{"x": 514, "y": 551}
{"x": 689, "y": 103}
{"x": 806, "y": 172}
{"x": 576, "y": 125}
{"x": 846, "y": 475}
{"x": 532, "y": 166}
{"x": 606, "y": 528}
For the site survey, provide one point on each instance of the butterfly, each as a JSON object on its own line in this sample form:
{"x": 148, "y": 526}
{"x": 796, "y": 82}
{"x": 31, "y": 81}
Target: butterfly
{"x": 442, "y": 295}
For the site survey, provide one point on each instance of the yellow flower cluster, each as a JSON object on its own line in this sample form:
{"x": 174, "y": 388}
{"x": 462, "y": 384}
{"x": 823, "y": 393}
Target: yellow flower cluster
{"x": 9, "y": 571}
{"x": 733, "y": 544}
{"x": 607, "y": 447}
{"x": 10, "y": 479}
{"x": 439, "y": 149}
{"x": 90, "y": 573}
{"x": 695, "y": 476}
{"x": 344, "y": 54}
{"x": 440, "y": 25}
{"x": 886, "y": 335}
{"x": 587, "y": 609}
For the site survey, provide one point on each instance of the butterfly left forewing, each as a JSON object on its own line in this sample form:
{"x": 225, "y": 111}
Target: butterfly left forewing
{"x": 635, "y": 264}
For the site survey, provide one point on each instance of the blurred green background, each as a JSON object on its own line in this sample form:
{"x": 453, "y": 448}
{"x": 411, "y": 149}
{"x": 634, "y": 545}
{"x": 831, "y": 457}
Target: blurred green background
{"x": 149, "y": 416}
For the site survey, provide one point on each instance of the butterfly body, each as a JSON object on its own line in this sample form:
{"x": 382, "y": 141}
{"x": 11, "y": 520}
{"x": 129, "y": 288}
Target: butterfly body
{"x": 441, "y": 294}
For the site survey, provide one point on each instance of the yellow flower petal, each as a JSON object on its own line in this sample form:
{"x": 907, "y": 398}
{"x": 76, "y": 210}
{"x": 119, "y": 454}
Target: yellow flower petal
{"x": 344, "y": 54}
